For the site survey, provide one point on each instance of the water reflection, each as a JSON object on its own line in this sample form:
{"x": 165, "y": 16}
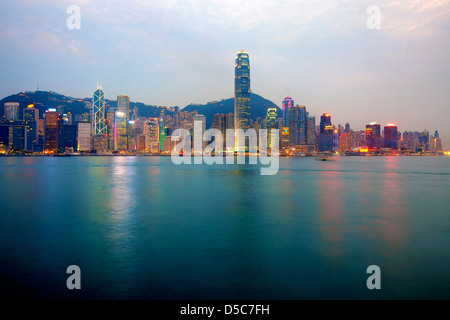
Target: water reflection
{"x": 331, "y": 209}
{"x": 392, "y": 205}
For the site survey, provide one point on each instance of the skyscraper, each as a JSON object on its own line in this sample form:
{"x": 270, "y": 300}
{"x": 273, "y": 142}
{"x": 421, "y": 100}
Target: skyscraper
{"x": 310, "y": 130}
{"x": 326, "y": 133}
{"x": 31, "y": 118}
{"x": 98, "y": 123}
{"x": 84, "y": 136}
{"x": 12, "y": 111}
{"x": 121, "y": 121}
{"x": 272, "y": 123}
{"x": 51, "y": 131}
{"x": 287, "y": 104}
{"x": 151, "y": 132}
{"x": 297, "y": 125}
{"x": 390, "y": 136}
{"x": 242, "y": 91}
{"x": 373, "y": 135}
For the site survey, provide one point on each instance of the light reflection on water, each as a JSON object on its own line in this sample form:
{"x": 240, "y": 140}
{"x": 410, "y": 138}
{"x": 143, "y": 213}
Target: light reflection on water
{"x": 141, "y": 227}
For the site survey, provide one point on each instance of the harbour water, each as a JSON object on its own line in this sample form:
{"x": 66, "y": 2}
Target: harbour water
{"x": 144, "y": 228}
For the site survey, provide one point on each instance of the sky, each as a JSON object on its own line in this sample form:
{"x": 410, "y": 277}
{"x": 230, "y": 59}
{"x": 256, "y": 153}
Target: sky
{"x": 174, "y": 53}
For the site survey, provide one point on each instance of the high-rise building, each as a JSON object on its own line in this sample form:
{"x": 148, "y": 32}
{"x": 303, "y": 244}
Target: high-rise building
{"x": 162, "y": 133}
{"x": 68, "y": 138}
{"x": 325, "y": 120}
{"x": 437, "y": 142}
{"x": 31, "y": 118}
{"x": 100, "y": 143}
{"x": 202, "y": 119}
{"x": 223, "y": 122}
{"x": 297, "y": 125}
{"x": 151, "y": 132}
{"x": 84, "y": 136}
{"x": 12, "y": 111}
{"x": 390, "y": 136}
{"x": 287, "y": 104}
{"x": 51, "y": 131}
{"x": 242, "y": 93}
{"x": 373, "y": 135}
{"x": 272, "y": 123}
{"x": 326, "y": 133}
{"x": 98, "y": 121}
{"x": 121, "y": 123}
{"x": 310, "y": 130}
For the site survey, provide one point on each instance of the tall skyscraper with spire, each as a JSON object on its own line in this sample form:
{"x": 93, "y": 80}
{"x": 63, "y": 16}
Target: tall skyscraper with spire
{"x": 242, "y": 96}
{"x": 98, "y": 123}
{"x": 242, "y": 91}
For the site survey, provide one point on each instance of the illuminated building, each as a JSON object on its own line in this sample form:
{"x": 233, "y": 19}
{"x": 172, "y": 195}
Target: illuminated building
{"x": 242, "y": 93}
{"x": 373, "y": 135}
{"x": 12, "y": 111}
{"x": 287, "y": 104}
{"x": 335, "y": 139}
{"x": 310, "y": 130}
{"x": 326, "y": 133}
{"x": 223, "y": 122}
{"x": 272, "y": 123}
{"x": 151, "y": 132}
{"x": 162, "y": 133}
{"x": 84, "y": 136}
{"x": 390, "y": 136}
{"x": 202, "y": 119}
{"x": 51, "y": 144}
{"x": 98, "y": 122}
{"x": 100, "y": 143}
{"x": 437, "y": 142}
{"x": 284, "y": 137}
{"x": 121, "y": 123}
{"x": 297, "y": 125}
{"x": 131, "y": 135}
{"x": 31, "y": 118}
{"x": 110, "y": 122}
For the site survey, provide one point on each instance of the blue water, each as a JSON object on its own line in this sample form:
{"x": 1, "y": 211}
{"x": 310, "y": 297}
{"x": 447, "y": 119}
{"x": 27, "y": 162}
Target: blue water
{"x": 143, "y": 228}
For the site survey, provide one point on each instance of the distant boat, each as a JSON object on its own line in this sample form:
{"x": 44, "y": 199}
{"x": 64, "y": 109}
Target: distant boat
{"x": 324, "y": 159}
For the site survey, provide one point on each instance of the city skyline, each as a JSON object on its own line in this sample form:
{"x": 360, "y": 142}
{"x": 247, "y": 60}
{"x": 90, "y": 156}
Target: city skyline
{"x": 329, "y": 60}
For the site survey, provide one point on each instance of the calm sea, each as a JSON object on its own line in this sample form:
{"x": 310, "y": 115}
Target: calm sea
{"x": 143, "y": 228}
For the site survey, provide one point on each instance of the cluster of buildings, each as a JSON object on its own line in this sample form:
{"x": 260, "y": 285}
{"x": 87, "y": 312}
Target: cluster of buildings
{"x": 108, "y": 130}
{"x": 104, "y": 130}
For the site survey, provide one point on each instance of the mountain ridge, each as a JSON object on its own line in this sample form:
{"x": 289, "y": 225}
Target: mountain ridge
{"x": 49, "y": 99}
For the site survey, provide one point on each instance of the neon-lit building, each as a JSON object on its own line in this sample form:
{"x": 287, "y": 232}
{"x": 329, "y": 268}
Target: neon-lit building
{"x": 286, "y": 105}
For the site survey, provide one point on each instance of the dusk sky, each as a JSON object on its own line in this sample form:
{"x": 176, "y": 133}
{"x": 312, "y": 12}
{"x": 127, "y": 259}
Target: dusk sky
{"x": 172, "y": 52}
